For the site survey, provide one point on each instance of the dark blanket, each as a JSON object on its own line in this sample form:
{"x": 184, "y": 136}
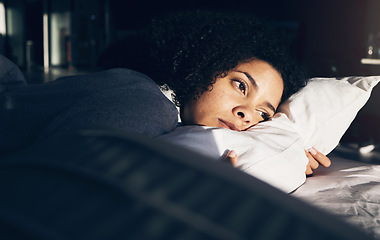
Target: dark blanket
{"x": 117, "y": 98}
{"x": 99, "y": 184}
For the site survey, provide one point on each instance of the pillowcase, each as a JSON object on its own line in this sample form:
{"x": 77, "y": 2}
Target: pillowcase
{"x": 273, "y": 151}
{"x": 323, "y": 110}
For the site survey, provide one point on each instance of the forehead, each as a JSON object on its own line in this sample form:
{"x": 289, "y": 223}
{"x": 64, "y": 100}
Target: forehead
{"x": 260, "y": 69}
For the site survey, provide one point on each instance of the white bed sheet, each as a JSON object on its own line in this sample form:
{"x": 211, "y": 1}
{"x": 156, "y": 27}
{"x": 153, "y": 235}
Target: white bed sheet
{"x": 348, "y": 189}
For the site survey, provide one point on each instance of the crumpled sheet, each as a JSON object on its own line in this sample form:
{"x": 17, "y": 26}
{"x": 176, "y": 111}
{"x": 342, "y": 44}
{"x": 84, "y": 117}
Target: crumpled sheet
{"x": 348, "y": 189}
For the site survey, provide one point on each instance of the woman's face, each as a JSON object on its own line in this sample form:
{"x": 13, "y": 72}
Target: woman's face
{"x": 249, "y": 94}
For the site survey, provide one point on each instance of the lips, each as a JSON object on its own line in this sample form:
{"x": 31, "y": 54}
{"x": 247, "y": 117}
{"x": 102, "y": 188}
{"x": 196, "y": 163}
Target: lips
{"x": 228, "y": 125}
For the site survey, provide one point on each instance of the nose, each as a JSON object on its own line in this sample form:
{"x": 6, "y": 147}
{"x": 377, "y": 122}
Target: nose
{"x": 245, "y": 116}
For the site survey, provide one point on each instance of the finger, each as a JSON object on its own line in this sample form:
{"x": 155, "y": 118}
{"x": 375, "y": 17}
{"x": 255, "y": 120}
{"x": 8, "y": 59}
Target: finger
{"x": 321, "y": 158}
{"x": 232, "y": 156}
{"x": 308, "y": 171}
{"x": 312, "y": 162}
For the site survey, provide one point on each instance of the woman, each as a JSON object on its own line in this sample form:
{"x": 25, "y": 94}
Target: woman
{"x": 227, "y": 70}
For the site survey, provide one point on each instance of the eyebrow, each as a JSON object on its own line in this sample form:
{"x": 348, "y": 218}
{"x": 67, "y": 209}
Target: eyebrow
{"x": 268, "y": 104}
{"x": 249, "y": 77}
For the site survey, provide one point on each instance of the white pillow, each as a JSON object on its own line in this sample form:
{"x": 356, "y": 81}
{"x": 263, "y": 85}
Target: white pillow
{"x": 273, "y": 151}
{"x": 323, "y": 110}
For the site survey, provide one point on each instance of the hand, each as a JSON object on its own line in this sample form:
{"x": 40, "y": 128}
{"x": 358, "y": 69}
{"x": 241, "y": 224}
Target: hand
{"x": 315, "y": 158}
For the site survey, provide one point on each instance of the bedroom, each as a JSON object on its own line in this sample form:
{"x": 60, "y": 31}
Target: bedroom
{"x": 345, "y": 29}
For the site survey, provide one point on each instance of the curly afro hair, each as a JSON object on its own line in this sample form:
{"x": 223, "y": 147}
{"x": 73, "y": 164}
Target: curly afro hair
{"x": 187, "y": 51}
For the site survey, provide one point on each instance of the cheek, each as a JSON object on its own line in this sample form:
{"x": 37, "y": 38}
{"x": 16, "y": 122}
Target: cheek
{"x": 211, "y": 103}
{"x": 203, "y": 105}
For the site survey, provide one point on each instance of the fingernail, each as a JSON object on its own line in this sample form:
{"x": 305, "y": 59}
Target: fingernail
{"x": 232, "y": 154}
{"x": 311, "y": 150}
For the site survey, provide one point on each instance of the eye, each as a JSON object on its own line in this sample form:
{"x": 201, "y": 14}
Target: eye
{"x": 242, "y": 86}
{"x": 264, "y": 115}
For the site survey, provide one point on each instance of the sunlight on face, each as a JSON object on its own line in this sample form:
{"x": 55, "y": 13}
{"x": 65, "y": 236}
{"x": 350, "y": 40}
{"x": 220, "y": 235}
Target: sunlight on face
{"x": 249, "y": 94}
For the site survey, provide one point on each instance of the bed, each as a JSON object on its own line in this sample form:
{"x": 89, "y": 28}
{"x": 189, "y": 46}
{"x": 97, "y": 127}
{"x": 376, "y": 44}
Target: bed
{"x": 349, "y": 189}
{"x": 272, "y": 151}
{"x": 109, "y": 184}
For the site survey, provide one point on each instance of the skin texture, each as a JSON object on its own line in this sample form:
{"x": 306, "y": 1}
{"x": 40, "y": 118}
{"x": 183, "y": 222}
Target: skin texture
{"x": 247, "y": 95}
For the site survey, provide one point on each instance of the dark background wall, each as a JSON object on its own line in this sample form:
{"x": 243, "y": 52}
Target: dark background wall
{"x": 330, "y": 36}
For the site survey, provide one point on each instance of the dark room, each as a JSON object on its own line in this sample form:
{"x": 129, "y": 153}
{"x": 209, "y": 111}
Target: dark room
{"x": 211, "y": 119}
